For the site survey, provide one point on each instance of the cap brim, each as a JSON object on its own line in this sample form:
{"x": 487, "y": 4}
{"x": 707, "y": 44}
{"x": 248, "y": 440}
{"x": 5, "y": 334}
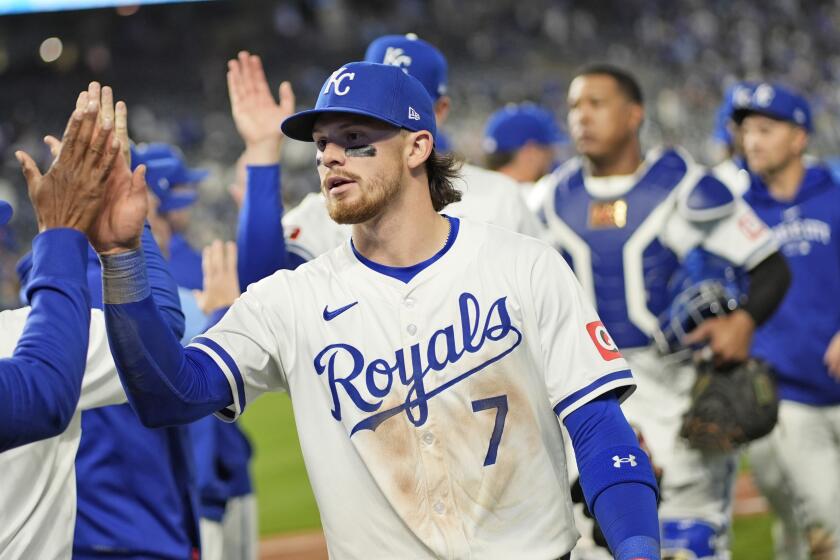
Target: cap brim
{"x": 189, "y": 177}
{"x": 300, "y": 125}
{"x": 178, "y": 201}
{"x": 740, "y": 114}
{"x": 5, "y": 212}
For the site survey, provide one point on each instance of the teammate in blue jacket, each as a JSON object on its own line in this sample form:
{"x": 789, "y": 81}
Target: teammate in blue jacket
{"x": 801, "y": 203}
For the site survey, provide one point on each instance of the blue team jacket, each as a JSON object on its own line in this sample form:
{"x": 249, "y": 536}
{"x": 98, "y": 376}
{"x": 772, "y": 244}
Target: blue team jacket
{"x": 136, "y": 489}
{"x": 795, "y": 338}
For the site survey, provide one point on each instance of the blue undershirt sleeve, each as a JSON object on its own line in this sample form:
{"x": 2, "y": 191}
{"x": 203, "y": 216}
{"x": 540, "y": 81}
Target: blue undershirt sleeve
{"x": 166, "y": 384}
{"x": 260, "y": 243}
{"x": 163, "y": 287}
{"x": 616, "y": 477}
{"x": 41, "y": 382}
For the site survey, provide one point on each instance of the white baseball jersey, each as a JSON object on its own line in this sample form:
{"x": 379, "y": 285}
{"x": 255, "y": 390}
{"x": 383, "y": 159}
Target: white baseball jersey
{"x": 428, "y": 411}
{"x": 38, "y": 490}
{"x": 488, "y": 197}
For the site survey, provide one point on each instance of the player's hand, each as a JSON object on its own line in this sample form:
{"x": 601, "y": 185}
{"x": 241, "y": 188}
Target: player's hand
{"x": 729, "y": 337}
{"x": 255, "y": 112}
{"x": 832, "y": 357}
{"x": 120, "y": 224}
{"x": 70, "y": 194}
{"x": 221, "y": 279}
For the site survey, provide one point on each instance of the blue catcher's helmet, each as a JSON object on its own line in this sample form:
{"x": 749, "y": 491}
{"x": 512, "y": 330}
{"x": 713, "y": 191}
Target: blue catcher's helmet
{"x": 706, "y": 286}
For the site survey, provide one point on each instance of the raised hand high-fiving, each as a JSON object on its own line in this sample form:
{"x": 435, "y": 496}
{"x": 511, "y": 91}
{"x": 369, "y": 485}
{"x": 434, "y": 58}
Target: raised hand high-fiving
{"x": 255, "y": 112}
{"x": 70, "y": 193}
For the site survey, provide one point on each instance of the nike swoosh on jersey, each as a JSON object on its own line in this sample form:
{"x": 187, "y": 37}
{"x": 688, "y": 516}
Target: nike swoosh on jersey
{"x": 330, "y": 315}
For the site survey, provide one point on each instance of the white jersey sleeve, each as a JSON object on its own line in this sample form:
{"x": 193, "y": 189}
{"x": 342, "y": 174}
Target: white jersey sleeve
{"x": 309, "y": 230}
{"x": 101, "y": 385}
{"x": 581, "y": 361}
{"x": 493, "y": 198}
{"x": 250, "y": 342}
{"x": 740, "y": 237}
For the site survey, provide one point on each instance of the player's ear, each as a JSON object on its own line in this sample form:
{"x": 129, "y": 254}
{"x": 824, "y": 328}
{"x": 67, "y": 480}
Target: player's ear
{"x": 418, "y": 148}
{"x": 800, "y": 140}
{"x": 442, "y": 107}
{"x": 636, "y": 115}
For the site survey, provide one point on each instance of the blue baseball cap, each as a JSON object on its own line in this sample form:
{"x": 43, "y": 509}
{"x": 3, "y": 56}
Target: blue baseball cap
{"x": 513, "y": 126}
{"x": 5, "y": 212}
{"x": 415, "y": 56}
{"x": 167, "y": 174}
{"x": 779, "y": 103}
{"x": 379, "y": 91}
{"x": 736, "y": 97}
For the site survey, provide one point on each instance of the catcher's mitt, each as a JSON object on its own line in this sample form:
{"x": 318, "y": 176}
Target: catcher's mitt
{"x": 731, "y": 407}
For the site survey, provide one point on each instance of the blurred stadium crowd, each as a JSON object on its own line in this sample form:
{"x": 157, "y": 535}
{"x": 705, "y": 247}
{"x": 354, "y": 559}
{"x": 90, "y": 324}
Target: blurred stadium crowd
{"x": 169, "y": 62}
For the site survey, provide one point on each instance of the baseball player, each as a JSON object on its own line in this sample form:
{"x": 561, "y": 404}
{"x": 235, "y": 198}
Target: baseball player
{"x": 802, "y": 340}
{"x": 488, "y": 196}
{"x": 765, "y": 464}
{"x": 38, "y": 500}
{"x": 40, "y": 380}
{"x": 522, "y": 141}
{"x": 624, "y": 222}
{"x": 143, "y": 504}
{"x": 428, "y": 357}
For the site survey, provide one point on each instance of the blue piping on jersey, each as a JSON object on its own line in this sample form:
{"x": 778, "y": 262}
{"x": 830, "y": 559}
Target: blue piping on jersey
{"x": 406, "y": 273}
{"x": 595, "y": 385}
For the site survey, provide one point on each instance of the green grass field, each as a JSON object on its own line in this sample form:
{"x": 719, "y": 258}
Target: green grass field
{"x": 287, "y": 505}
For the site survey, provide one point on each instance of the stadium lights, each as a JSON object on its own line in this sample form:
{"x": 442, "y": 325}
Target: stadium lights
{"x": 51, "y": 49}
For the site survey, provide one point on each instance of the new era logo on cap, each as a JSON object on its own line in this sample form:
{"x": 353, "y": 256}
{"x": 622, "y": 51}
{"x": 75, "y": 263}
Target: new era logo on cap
{"x": 379, "y": 91}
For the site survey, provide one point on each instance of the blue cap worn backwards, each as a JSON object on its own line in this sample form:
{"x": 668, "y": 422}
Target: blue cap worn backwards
{"x": 165, "y": 170}
{"x": 5, "y": 212}
{"x": 379, "y": 91}
{"x": 779, "y": 103}
{"x": 513, "y": 126}
{"x": 415, "y": 56}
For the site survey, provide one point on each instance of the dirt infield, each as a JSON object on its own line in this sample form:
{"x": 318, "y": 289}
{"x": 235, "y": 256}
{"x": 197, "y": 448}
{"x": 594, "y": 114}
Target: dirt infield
{"x": 311, "y": 546}
{"x": 301, "y": 546}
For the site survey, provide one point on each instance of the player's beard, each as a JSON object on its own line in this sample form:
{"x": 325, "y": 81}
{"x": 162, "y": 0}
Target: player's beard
{"x": 373, "y": 196}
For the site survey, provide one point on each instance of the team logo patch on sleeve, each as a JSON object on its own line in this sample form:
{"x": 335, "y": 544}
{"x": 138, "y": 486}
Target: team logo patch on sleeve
{"x": 751, "y": 226}
{"x": 603, "y": 341}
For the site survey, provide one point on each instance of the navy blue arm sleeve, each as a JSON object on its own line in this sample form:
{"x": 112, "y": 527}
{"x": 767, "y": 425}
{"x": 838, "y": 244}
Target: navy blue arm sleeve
{"x": 40, "y": 384}
{"x": 260, "y": 243}
{"x": 625, "y": 510}
{"x": 166, "y": 383}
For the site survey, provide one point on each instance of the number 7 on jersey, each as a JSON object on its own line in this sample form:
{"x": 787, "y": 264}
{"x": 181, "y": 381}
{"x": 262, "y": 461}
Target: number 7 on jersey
{"x": 501, "y": 406}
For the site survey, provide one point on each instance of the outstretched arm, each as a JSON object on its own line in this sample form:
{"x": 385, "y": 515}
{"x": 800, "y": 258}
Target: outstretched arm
{"x": 41, "y": 382}
{"x": 262, "y": 247}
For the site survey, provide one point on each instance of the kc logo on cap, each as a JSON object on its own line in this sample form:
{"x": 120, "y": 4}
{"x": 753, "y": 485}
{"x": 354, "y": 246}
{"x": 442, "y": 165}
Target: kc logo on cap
{"x": 335, "y": 80}
{"x": 378, "y": 91}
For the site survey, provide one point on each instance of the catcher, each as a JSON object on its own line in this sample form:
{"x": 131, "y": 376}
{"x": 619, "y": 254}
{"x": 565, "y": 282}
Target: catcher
{"x": 733, "y": 401}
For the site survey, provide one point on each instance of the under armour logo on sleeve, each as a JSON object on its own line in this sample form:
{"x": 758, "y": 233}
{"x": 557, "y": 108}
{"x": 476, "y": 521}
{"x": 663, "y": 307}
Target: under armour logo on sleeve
{"x": 618, "y": 461}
